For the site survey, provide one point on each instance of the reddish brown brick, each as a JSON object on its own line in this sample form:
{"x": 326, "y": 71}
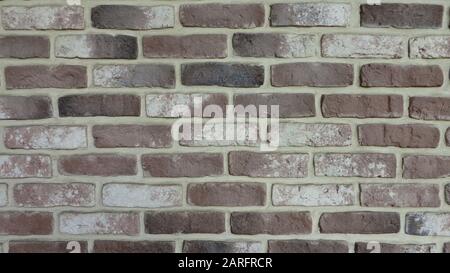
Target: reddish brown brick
{"x": 97, "y": 165}
{"x": 429, "y": 108}
{"x": 26, "y": 223}
{"x": 142, "y": 136}
{"x": 25, "y": 107}
{"x": 400, "y": 195}
{"x": 45, "y": 247}
{"x": 23, "y": 166}
{"x": 426, "y": 166}
{"x": 360, "y": 222}
{"x": 305, "y": 246}
{"x": 227, "y": 194}
{"x": 274, "y": 223}
{"x": 107, "y": 246}
{"x": 23, "y": 47}
{"x": 184, "y": 222}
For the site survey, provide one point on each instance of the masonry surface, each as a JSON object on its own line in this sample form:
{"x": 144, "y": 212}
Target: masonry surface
{"x": 86, "y": 152}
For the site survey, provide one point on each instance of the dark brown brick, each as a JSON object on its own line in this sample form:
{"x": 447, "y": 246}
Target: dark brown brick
{"x": 222, "y": 247}
{"x": 429, "y": 108}
{"x": 23, "y": 47}
{"x": 184, "y": 222}
{"x": 305, "y": 246}
{"x": 360, "y": 222}
{"x": 361, "y": 247}
{"x": 106, "y": 246}
{"x": 97, "y": 165}
{"x": 26, "y": 223}
{"x": 426, "y": 166}
{"x": 227, "y": 194}
{"x": 274, "y": 223}
{"x": 25, "y": 107}
{"x": 44, "y": 247}
{"x": 142, "y": 136}
{"x": 99, "y": 105}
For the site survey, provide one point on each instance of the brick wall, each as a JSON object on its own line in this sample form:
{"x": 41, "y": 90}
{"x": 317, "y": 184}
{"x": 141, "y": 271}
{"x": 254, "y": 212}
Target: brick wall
{"x": 85, "y": 120}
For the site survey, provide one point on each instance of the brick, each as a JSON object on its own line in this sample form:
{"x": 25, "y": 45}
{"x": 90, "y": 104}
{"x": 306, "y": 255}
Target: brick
{"x": 429, "y": 47}
{"x": 99, "y": 105}
{"x": 313, "y": 195}
{"x": 96, "y": 46}
{"x": 280, "y": 45}
{"x": 113, "y": 223}
{"x": 403, "y": 136}
{"x": 196, "y": 46}
{"x": 362, "y": 46}
{"x": 447, "y": 137}
{"x": 314, "y": 135}
{"x": 45, "y": 137}
{"x": 167, "y": 105}
{"x": 25, "y": 107}
{"x": 54, "y": 195}
{"x": 226, "y": 194}
{"x": 43, "y": 17}
{"x": 182, "y": 165}
{"x": 109, "y": 246}
{"x": 310, "y": 14}
{"x": 391, "y": 75}
{"x": 268, "y": 164}
{"x": 26, "y": 223}
{"x": 184, "y": 222}
{"x": 124, "y": 135}
{"x": 360, "y": 222}
{"x": 361, "y": 247}
{"x": 132, "y": 17}
{"x": 290, "y": 105}
{"x": 3, "y": 195}
{"x": 429, "y": 108}
{"x": 312, "y": 74}
{"x": 222, "y": 74}
{"x": 428, "y": 224}
{"x": 222, "y": 247}
{"x": 402, "y": 15}
{"x": 97, "y": 165}
{"x": 362, "y": 106}
{"x": 355, "y": 165}
{"x": 25, "y": 166}
{"x": 222, "y": 15}
{"x": 23, "y": 47}
{"x": 426, "y": 167}
{"x": 447, "y": 248}
{"x": 273, "y": 223}
{"x": 399, "y": 195}
{"x": 134, "y": 75}
{"x": 43, "y": 76}
{"x": 447, "y": 193}
{"x": 307, "y": 246}
{"x": 44, "y": 246}
{"x": 142, "y": 196}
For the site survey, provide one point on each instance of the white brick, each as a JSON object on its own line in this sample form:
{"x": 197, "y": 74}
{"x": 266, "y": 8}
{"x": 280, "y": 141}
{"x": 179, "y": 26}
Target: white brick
{"x": 99, "y": 223}
{"x": 313, "y": 195}
{"x": 430, "y": 47}
{"x": 3, "y": 195}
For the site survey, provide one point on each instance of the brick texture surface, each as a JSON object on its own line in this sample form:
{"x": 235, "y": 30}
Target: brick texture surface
{"x": 113, "y": 116}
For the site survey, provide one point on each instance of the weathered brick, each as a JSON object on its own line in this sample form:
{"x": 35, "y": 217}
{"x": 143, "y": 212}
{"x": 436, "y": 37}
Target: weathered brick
{"x": 96, "y": 46}
{"x": 184, "y": 222}
{"x": 404, "y": 136}
{"x": 430, "y": 47}
{"x": 273, "y": 223}
{"x": 142, "y": 196}
{"x": 43, "y": 76}
{"x": 25, "y": 107}
{"x": 134, "y": 75}
{"x": 114, "y": 223}
{"x": 182, "y": 165}
{"x": 447, "y": 248}
{"x": 132, "y": 17}
{"x": 226, "y": 194}
{"x": 168, "y": 105}
{"x": 315, "y": 135}
{"x": 313, "y": 195}
{"x": 312, "y": 74}
{"x": 360, "y": 222}
{"x": 361, "y": 247}
{"x": 429, "y": 108}
{"x": 400, "y": 195}
{"x": 45, "y": 137}
{"x": 222, "y": 247}
{"x": 310, "y": 14}
{"x": 402, "y": 15}
{"x": 222, "y": 15}
{"x": 97, "y": 165}
{"x": 307, "y": 246}
{"x": 362, "y": 106}
{"x": 426, "y": 166}
{"x": 3, "y": 195}
{"x": 54, "y": 194}
{"x": 23, "y": 166}
{"x": 222, "y": 74}
{"x": 26, "y": 223}
{"x": 447, "y": 137}
{"x": 196, "y": 46}
{"x": 99, "y": 105}
{"x": 447, "y": 193}
{"x": 268, "y": 164}
{"x": 363, "y": 46}
{"x": 43, "y": 17}
{"x": 109, "y": 246}
{"x": 391, "y": 75}
{"x": 280, "y": 45}
{"x": 142, "y": 136}
{"x": 290, "y": 105}
{"x": 44, "y": 246}
{"x": 22, "y": 47}
{"x": 428, "y": 224}
{"x": 355, "y": 165}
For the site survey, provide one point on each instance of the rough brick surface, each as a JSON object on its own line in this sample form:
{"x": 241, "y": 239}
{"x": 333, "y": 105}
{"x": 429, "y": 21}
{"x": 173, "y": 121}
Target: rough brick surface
{"x": 428, "y": 224}
{"x": 30, "y": 246}
{"x": 99, "y": 105}
{"x": 23, "y": 166}
{"x": 360, "y": 222}
{"x": 399, "y": 195}
{"x": 279, "y": 223}
{"x": 97, "y": 165}
{"x": 109, "y": 246}
{"x": 23, "y": 47}
{"x": 226, "y": 194}
{"x": 26, "y": 223}
{"x": 3, "y": 195}
{"x": 139, "y": 136}
{"x": 429, "y": 108}
{"x": 184, "y": 222}
{"x": 426, "y": 167}
{"x": 313, "y": 195}
{"x": 304, "y": 246}
{"x": 430, "y": 47}
{"x": 361, "y": 247}
{"x": 25, "y": 107}
{"x": 221, "y": 247}
{"x": 114, "y": 223}
{"x": 315, "y": 135}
